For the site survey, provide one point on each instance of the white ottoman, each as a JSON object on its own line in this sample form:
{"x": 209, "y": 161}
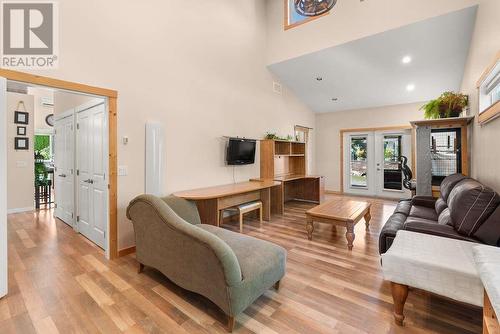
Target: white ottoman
{"x": 439, "y": 265}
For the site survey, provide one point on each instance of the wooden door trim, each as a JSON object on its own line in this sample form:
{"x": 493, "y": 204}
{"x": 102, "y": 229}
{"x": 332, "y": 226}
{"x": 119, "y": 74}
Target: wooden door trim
{"x": 383, "y": 128}
{"x": 112, "y": 96}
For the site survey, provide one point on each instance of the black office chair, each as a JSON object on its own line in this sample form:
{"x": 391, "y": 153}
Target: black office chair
{"x": 408, "y": 181}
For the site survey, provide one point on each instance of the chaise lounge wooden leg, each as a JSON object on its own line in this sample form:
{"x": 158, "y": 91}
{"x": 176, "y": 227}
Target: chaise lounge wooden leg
{"x": 230, "y": 323}
{"x": 277, "y": 285}
{"x": 141, "y": 268}
{"x": 399, "y": 295}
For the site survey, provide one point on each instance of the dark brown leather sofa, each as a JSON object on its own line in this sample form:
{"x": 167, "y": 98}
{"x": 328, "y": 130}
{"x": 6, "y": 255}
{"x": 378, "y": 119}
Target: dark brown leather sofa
{"x": 466, "y": 210}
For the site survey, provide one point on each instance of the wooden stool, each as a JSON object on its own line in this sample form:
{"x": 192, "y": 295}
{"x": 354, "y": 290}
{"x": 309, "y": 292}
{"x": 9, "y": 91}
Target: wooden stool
{"x": 242, "y": 209}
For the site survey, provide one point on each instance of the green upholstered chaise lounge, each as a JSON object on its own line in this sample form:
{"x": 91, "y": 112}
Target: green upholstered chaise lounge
{"x": 230, "y": 269}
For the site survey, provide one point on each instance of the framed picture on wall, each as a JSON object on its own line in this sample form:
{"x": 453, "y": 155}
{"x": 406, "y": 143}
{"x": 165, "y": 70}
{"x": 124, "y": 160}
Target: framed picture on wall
{"x": 21, "y": 131}
{"x": 21, "y": 143}
{"x": 21, "y": 117}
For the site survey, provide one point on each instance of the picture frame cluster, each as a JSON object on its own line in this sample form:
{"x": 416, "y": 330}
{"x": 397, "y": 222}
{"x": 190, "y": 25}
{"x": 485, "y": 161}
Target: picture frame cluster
{"x": 21, "y": 141}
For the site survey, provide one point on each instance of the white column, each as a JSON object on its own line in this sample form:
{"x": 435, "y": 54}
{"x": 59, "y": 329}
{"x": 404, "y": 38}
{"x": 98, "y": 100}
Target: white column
{"x": 155, "y": 159}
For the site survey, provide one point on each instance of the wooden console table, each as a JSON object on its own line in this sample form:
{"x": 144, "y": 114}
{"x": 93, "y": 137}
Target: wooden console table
{"x": 213, "y": 199}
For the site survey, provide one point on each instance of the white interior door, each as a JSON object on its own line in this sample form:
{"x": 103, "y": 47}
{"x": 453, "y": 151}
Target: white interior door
{"x": 3, "y": 190}
{"x": 64, "y": 160}
{"x": 92, "y": 166}
{"x": 389, "y": 147}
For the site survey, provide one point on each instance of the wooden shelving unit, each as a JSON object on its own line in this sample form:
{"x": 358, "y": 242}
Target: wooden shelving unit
{"x": 286, "y": 162}
{"x": 281, "y": 158}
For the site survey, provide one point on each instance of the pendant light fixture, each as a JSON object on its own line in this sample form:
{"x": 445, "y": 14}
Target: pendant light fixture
{"x": 313, "y": 7}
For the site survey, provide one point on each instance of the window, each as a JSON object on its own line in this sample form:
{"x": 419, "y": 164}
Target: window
{"x": 359, "y": 162}
{"x": 489, "y": 93}
{"x": 446, "y": 154}
{"x": 294, "y": 19}
{"x": 392, "y": 168}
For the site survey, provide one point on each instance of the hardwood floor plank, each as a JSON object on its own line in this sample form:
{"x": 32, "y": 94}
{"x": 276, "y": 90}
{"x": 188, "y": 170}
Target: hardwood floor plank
{"x": 100, "y": 297}
{"x": 46, "y": 326}
{"x": 59, "y": 282}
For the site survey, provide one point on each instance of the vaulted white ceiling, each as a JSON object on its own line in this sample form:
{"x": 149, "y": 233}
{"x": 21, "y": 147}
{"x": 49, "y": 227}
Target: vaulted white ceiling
{"x": 369, "y": 72}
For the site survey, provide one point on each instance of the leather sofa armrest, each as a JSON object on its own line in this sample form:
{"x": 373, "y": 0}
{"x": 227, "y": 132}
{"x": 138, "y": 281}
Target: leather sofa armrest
{"x": 436, "y": 229}
{"x": 427, "y": 201}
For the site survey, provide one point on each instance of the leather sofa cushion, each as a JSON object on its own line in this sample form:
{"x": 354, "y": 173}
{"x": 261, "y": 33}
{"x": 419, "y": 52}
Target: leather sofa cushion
{"x": 440, "y": 205}
{"x": 449, "y": 184}
{"x": 471, "y": 203}
{"x": 445, "y": 218}
{"x": 403, "y": 207}
{"x": 439, "y": 230}
{"x": 412, "y": 220}
{"x": 489, "y": 232}
{"x": 423, "y": 212}
{"x": 427, "y": 201}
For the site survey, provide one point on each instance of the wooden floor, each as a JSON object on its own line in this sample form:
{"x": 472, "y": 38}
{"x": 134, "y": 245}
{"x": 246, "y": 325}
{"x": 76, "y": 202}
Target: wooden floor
{"x": 60, "y": 282}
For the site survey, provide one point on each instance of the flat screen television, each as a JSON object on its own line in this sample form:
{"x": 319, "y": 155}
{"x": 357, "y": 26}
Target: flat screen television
{"x": 240, "y": 151}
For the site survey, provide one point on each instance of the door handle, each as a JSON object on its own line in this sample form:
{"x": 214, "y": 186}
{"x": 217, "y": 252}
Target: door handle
{"x": 89, "y": 181}
{"x": 62, "y": 175}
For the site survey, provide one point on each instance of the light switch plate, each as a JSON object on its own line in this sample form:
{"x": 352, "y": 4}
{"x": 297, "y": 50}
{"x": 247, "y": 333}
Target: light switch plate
{"x": 122, "y": 170}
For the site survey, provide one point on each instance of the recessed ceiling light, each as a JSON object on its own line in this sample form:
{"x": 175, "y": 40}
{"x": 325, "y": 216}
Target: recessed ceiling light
{"x": 319, "y": 78}
{"x": 406, "y": 60}
{"x": 335, "y": 99}
{"x": 410, "y": 87}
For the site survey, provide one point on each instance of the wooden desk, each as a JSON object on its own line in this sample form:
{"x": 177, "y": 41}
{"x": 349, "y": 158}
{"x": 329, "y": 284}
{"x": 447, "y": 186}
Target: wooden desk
{"x": 213, "y": 199}
{"x": 300, "y": 187}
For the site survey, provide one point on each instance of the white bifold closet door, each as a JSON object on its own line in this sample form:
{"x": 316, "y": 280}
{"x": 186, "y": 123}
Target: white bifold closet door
{"x": 64, "y": 169}
{"x": 91, "y": 137}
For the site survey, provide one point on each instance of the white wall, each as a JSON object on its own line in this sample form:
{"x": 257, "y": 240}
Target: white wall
{"x": 40, "y": 111}
{"x": 64, "y": 101}
{"x": 328, "y": 126}
{"x": 3, "y": 190}
{"x": 199, "y": 68}
{"x": 485, "y": 45}
{"x": 20, "y": 163}
{"x": 348, "y": 21}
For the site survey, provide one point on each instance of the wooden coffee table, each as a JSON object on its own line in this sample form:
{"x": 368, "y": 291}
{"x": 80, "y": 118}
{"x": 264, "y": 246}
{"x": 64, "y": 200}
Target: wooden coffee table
{"x": 339, "y": 213}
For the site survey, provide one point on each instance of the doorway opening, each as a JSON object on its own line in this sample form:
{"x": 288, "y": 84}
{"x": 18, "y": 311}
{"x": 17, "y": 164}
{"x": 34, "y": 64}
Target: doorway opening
{"x": 65, "y": 156}
{"x": 47, "y": 156}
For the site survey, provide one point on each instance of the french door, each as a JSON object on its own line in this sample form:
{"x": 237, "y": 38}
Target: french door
{"x": 64, "y": 169}
{"x": 91, "y": 175}
{"x": 371, "y": 163}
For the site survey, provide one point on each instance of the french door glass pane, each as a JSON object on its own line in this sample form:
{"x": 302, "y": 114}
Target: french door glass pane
{"x": 392, "y": 168}
{"x": 359, "y": 162}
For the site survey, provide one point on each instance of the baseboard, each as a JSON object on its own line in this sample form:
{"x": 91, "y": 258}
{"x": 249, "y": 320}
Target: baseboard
{"x": 19, "y": 210}
{"x": 126, "y": 251}
{"x": 333, "y": 192}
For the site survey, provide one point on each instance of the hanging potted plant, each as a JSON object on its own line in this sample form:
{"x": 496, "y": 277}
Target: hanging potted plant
{"x": 449, "y": 104}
